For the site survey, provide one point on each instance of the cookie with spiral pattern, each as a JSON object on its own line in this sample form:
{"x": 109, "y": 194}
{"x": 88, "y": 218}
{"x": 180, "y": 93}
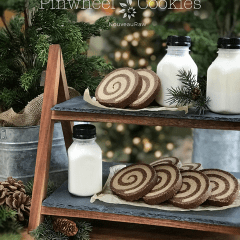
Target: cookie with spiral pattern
{"x": 195, "y": 190}
{"x": 169, "y": 183}
{"x": 167, "y": 160}
{"x": 224, "y": 187}
{"x": 134, "y": 181}
{"x": 119, "y": 88}
{"x": 150, "y": 88}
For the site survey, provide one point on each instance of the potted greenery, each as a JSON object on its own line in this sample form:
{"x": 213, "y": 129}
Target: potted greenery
{"x": 24, "y": 44}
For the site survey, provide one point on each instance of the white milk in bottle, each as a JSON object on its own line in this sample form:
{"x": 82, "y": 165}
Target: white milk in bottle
{"x": 177, "y": 58}
{"x": 85, "y": 162}
{"x": 223, "y": 78}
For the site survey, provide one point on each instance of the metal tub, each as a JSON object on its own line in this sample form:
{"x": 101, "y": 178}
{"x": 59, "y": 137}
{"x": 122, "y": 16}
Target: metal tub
{"x": 18, "y": 150}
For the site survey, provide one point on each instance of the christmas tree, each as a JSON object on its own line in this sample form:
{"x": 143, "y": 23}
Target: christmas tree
{"x": 24, "y": 44}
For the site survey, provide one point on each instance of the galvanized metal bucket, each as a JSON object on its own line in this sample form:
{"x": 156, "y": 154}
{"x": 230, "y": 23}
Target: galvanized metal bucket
{"x": 18, "y": 150}
{"x": 217, "y": 149}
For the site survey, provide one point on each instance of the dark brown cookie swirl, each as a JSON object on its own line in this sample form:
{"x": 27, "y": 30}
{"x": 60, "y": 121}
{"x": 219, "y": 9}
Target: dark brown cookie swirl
{"x": 150, "y": 87}
{"x": 169, "y": 183}
{"x": 194, "y": 191}
{"x": 224, "y": 187}
{"x": 167, "y": 160}
{"x": 119, "y": 88}
{"x": 191, "y": 166}
{"x": 134, "y": 181}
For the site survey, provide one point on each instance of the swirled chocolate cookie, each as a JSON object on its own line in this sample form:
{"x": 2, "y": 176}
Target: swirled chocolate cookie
{"x": 119, "y": 88}
{"x": 191, "y": 166}
{"x": 194, "y": 191}
{"x": 167, "y": 160}
{"x": 134, "y": 181}
{"x": 169, "y": 183}
{"x": 150, "y": 88}
{"x": 224, "y": 187}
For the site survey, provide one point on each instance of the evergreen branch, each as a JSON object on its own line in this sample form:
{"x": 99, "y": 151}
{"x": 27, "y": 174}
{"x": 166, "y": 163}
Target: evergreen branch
{"x": 45, "y": 231}
{"x": 191, "y": 92}
{"x": 8, "y": 221}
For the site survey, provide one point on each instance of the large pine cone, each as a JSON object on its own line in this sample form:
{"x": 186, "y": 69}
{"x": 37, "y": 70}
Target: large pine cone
{"x": 65, "y": 226}
{"x": 12, "y": 185}
{"x": 20, "y": 202}
{"x": 8, "y": 187}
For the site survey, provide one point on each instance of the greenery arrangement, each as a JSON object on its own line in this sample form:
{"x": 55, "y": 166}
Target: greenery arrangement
{"x": 24, "y": 44}
{"x": 192, "y": 92}
{"x": 45, "y": 231}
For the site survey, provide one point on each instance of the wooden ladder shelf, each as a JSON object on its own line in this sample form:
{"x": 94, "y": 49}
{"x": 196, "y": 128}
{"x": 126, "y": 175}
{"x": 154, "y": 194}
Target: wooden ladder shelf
{"x": 55, "y": 92}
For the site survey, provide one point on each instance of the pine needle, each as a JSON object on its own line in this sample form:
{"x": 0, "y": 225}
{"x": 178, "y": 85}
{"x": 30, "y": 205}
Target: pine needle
{"x": 182, "y": 96}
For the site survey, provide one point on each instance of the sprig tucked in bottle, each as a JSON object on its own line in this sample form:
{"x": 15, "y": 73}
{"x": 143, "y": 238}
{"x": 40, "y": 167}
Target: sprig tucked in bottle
{"x": 192, "y": 92}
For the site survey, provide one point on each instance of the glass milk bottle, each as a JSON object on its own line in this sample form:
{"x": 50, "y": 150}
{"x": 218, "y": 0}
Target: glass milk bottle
{"x": 177, "y": 58}
{"x": 223, "y": 78}
{"x": 85, "y": 162}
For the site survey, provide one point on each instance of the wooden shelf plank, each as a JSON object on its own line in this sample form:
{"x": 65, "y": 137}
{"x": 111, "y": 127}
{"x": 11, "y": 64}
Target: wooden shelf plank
{"x": 77, "y": 109}
{"x": 138, "y": 220}
{"x": 172, "y": 122}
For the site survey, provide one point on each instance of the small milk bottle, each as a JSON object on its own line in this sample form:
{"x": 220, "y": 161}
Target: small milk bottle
{"x": 223, "y": 78}
{"x": 85, "y": 162}
{"x": 177, "y": 58}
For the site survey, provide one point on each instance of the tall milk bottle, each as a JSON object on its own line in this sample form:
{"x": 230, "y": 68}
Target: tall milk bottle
{"x": 177, "y": 58}
{"x": 223, "y": 78}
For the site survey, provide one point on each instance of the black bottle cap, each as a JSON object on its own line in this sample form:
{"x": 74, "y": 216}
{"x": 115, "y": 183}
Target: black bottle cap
{"x": 179, "y": 41}
{"x": 229, "y": 43}
{"x": 84, "y": 131}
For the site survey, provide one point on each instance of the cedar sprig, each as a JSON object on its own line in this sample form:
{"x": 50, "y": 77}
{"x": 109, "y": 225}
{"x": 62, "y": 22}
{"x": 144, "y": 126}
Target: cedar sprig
{"x": 193, "y": 92}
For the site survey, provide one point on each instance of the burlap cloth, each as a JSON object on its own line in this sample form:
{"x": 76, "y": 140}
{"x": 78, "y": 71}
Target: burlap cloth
{"x": 107, "y": 196}
{"x": 30, "y": 115}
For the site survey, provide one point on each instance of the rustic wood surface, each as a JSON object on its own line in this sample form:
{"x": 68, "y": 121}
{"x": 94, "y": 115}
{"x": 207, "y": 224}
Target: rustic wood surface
{"x": 186, "y": 123}
{"x": 45, "y": 135}
{"x": 140, "y": 220}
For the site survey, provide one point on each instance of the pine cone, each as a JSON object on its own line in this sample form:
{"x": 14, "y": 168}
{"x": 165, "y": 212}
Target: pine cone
{"x": 13, "y": 185}
{"x": 4, "y": 192}
{"x": 196, "y": 92}
{"x": 65, "y": 226}
{"x": 20, "y": 202}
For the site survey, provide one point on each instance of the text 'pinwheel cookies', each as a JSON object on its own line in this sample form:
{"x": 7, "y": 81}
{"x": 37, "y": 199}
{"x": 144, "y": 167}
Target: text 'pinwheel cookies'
{"x": 191, "y": 166}
{"x": 169, "y": 183}
{"x": 194, "y": 191}
{"x": 134, "y": 181}
{"x": 167, "y": 160}
{"x": 224, "y": 187}
{"x": 119, "y": 88}
{"x": 150, "y": 87}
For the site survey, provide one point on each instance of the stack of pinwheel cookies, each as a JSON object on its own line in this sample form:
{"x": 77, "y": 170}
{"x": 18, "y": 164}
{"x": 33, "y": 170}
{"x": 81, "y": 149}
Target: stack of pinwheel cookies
{"x": 130, "y": 88}
{"x": 167, "y": 180}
